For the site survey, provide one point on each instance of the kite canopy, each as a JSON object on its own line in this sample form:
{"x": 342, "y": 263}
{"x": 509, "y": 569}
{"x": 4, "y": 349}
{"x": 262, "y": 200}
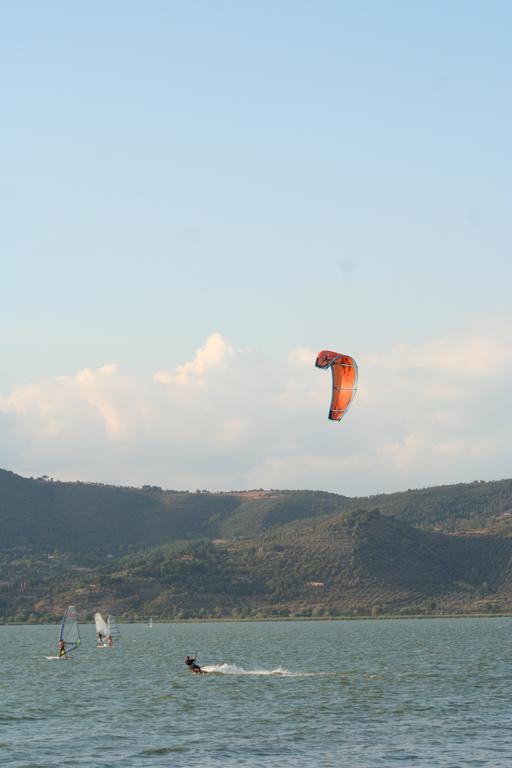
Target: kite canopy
{"x": 344, "y": 381}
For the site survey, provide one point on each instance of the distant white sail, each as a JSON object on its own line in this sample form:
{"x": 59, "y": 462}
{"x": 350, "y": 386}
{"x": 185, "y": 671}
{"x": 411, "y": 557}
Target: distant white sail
{"x": 70, "y": 630}
{"x": 150, "y": 623}
{"x": 112, "y": 628}
{"x": 101, "y": 626}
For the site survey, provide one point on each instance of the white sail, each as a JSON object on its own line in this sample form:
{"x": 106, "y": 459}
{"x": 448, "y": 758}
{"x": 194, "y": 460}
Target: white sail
{"x": 150, "y": 624}
{"x": 112, "y": 628}
{"x": 101, "y": 626}
{"x": 70, "y": 630}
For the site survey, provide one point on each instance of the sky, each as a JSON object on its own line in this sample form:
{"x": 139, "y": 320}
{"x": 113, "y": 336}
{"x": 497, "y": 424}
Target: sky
{"x": 196, "y": 198}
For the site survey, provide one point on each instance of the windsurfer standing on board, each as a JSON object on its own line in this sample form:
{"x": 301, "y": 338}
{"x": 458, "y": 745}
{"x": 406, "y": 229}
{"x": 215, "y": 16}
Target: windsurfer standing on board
{"x": 190, "y": 661}
{"x": 62, "y": 649}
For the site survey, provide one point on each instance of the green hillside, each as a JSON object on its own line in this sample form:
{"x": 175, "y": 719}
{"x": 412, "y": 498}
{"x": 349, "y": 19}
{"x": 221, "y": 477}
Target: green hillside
{"x": 348, "y": 564}
{"x": 95, "y": 519}
{"x": 169, "y": 554}
{"x": 458, "y": 507}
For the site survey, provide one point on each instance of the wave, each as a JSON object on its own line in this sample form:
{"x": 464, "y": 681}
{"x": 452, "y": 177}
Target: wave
{"x": 233, "y": 669}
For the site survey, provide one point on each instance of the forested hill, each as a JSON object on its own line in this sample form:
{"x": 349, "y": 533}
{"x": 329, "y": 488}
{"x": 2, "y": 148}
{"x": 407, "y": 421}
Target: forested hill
{"x": 146, "y": 551}
{"x": 353, "y": 563}
{"x": 46, "y": 515}
{"x": 87, "y": 517}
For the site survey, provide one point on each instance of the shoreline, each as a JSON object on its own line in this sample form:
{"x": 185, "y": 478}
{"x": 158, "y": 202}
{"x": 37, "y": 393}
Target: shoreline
{"x": 226, "y": 620}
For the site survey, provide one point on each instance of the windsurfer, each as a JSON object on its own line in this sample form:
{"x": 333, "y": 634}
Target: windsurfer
{"x": 101, "y": 638}
{"x": 190, "y": 661}
{"x": 62, "y": 649}
{"x": 110, "y": 641}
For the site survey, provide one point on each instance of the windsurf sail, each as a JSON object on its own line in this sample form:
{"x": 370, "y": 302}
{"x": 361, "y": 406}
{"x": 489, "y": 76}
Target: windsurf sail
{"x": 112, "y": 628}
{"x": 101, "y": 626}
{"x": 150, "y": 624}
{"x": 70, "y": 630}
{"x": 344, "y": 381}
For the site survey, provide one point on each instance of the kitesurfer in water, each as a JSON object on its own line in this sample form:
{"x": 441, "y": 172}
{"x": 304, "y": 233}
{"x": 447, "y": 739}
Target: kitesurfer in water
{"x": 62, "y": 649}
{"x": 190, "y": 661}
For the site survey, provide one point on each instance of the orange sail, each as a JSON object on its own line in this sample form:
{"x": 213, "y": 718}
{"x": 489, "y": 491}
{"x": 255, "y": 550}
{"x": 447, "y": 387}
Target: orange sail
{"x": 344, "y": 381}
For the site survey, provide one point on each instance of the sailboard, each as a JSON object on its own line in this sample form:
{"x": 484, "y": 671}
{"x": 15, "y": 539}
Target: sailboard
{"x": 69, "y": 633}
{"x": 101, "y": 630}
{"x": 112, "y": 628}
{"x": 70, "y": 629}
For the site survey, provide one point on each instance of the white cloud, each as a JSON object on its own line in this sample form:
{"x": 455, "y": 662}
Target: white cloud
{"x": 214, "y": 355}
{"x": 302, "y": 356}
{"x": 232, "y": 432}
{"x": 229, "y": 418}
{"x": 403, "y": 452}
{"x": 464, "y": 448}
{"x": 54, "y": 405}
{"x": 478, "y": 356}
{"x": 440, "y": 390}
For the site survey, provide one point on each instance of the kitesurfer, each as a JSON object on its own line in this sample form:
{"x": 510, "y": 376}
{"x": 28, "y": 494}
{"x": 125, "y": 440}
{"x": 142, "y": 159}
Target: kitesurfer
{"x": 62, "y": 649}
{"x": 190, "y": 661}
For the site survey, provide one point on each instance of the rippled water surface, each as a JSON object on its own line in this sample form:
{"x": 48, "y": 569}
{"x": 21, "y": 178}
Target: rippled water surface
{"x": 282, "y": 694}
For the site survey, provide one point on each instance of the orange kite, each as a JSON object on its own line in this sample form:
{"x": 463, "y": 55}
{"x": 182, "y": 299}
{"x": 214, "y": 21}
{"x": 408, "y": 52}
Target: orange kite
{"x": 344, "y": 381}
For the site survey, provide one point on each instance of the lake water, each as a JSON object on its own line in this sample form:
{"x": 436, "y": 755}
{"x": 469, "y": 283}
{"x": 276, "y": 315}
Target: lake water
{"x": 326, "y": 693}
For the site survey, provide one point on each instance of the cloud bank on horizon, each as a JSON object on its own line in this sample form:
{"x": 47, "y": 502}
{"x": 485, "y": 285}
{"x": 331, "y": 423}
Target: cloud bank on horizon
{"x": 234, "y": 418}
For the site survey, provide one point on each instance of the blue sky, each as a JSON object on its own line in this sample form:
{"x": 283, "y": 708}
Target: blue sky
{"x": 251, "y": 180}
